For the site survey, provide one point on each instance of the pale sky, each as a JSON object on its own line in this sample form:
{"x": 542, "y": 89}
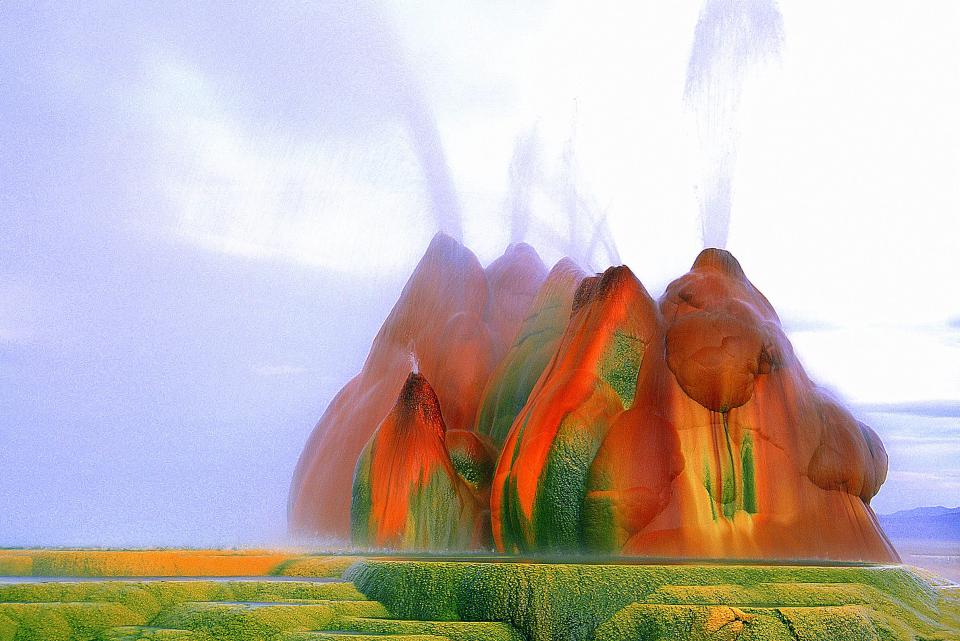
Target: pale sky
{"x": 208, "y": 212}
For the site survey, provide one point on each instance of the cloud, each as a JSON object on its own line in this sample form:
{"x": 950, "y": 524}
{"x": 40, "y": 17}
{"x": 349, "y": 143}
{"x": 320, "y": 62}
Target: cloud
{"x": 941, "y": 480}
{"x": 242, "y": 189}
{"x": 932, "y": 408}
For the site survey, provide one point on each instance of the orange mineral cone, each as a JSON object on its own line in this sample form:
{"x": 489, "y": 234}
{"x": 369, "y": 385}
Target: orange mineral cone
{"x": 406, "y": 492}
{"x": 513, "y": 379}
{"x": 454, "y": 320}
{"x": 738, "y": 453}
{"x": 537, "y": 494}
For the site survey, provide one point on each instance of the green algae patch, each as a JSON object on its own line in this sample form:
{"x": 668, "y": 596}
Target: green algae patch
{"x": 135, "y": 597}
{"x": 361, "y": 504}
{"x": 460, "y": 630}
{"x": 146, "y": 633}
{"x": 512, "y": 521}
{"x": 314, "y": 566}
{"x": 474, "y": 473}
{"x": 557, "y": 511}
{"x": 498, "y": 601}
{"x": 510, "y": 384}
{"x": 697, "y": 623}
{"x": 177, "y": 610}
{"x": 434, "y": 516}
{"x": 598, "y": 521}
{"x": 843, "y": 622}
{"x": 357, "y": 636}
{"x": 149, "y": 597}
{"x": 748, "y": 475}
{"x": 55, "y": 621}
{"x": 502, "y": 404}
{"x": 146, "y": 610}
{"x": 547, "y": 601}
{"x": 235, "y": 622}
{"x": 621, "y": 364}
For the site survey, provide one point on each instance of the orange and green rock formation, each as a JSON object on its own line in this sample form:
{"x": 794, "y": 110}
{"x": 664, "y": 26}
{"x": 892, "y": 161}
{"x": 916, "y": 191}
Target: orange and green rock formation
{"x": 539, "y": 486}
{"x": 513, "y": 379}
{"x": 455, "y": 320}
{"x": 720, "y": 445}
{"x": 585, "y": 416}
{"x": 406, "y": 492}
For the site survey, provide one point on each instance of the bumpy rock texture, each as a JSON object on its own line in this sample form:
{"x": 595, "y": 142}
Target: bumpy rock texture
{"x": 585, "y": 416}
{"x": 406, "y": 492}
{"x": 513, "y": 379}
{"x": 456, "y": 321}
{"x": 729, "y": 449}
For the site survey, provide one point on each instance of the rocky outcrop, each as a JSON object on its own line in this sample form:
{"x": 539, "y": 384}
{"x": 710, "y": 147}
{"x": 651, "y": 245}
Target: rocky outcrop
{"x": 539, "y": 485}
{"x": 406, "y": 492}
{"x": 511, "y": 382}
{"x": 455, "y": 321}
{"x": 584, "y": 416}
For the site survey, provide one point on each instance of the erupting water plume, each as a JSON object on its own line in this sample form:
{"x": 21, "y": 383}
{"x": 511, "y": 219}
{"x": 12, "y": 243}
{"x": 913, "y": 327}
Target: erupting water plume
{"x": 732, "y": 37}
{"x": 589, "y": 239}
{"x": 583, "y": 235}
{"x": 436, "y": 174}
{"x": 525, "y": 174}
{"x": 417, "y": 115}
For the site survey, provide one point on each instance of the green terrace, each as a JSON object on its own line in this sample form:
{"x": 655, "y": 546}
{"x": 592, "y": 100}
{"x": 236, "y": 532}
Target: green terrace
{"x": 395, "y": 599}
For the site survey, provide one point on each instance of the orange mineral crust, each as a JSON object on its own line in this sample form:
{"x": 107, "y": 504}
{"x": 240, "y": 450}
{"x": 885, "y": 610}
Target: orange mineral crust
{"x": 455, "y": 321}
{"x": 728, "y": 449}
{"x": 514, "y": 280}
{"x": 537, "y": 495}
{"x": 513, "y": 379}
{"x": 773, "y": 467}
{"x": 584, "y": 416}
{"x": 406, "y": 492}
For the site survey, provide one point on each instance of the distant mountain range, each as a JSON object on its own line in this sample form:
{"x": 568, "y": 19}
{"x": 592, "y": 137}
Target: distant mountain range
{"x": 942, "y": 523}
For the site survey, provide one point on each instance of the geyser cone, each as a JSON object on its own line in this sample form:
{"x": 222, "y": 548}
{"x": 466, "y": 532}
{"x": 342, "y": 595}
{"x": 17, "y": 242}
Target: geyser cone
{"x": 769, "y": 466}
{"x": 406, "y": 493}
{"x": 687, "y": 428}
{"x": 538, "y": 487}
{"x": 514, "y": 280}
{"x": 455, "y": 320}
{"x": 681, "y": 428}
{"x": 536, "y": 342}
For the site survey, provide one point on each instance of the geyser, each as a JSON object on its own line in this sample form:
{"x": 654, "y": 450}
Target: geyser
{"x": 732, "y": 37}
{"x": 559, "y": 412}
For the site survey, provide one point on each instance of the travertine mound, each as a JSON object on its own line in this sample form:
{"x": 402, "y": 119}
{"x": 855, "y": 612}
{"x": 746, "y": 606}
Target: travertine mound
{"x": 455, "y": 321}
{"x": 730, "y": 449}
{"x": 406, "y": 492}
{"x": 513, "y": 379}
{"x": 585, "y": 416}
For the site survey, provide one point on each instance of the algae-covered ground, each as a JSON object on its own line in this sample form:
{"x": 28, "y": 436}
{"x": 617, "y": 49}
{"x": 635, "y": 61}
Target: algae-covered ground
{"x": 210, "y": 595}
